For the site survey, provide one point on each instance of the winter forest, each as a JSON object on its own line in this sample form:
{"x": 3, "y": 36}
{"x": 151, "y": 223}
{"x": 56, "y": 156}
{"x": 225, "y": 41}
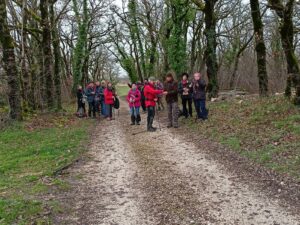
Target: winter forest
{"x": 149, "y": 112}
{"x": 49, "y": 47}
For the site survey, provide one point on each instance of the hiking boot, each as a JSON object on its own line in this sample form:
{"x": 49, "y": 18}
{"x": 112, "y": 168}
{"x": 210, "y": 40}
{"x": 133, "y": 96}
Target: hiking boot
{"x": 138, "y": 119}
{"x": 132, "y": 120}
{"x": 151, "y": 129}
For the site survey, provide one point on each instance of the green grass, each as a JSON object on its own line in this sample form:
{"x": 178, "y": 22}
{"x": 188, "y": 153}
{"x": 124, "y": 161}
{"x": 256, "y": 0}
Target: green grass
{"x": 266, "y": 131}
{"x": 122, "y": 90}
{"x": 30, "y": 151}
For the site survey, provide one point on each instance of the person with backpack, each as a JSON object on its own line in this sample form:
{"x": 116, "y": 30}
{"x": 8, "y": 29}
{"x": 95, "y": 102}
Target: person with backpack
{"x": 98, "y": 97}
{"x": 134, "y": 101}
{"x": 81, "y": 112}
{"x": 150, "y": 101}
{"x": 109, "y": 97}
{"x": 198, "y": 89}
{"x": 184, "y": 88}
{"x": 171, "y": 87}
{"x": 90, "y": 93}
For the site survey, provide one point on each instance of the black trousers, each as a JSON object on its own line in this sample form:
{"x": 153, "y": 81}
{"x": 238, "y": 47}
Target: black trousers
{"x": 150, "y": 116}
{"x": 80, "y": 105}
{"x": 187, "y": 111}
{"x": 92, "y": 108}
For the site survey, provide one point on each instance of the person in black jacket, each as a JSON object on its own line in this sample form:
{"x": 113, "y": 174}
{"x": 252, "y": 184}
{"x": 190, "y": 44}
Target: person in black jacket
{"x": 184, "y": 88}
{"x": 198, "y": 89}
{"x": 171, "y": 87}
{"x": 80, "y": 102}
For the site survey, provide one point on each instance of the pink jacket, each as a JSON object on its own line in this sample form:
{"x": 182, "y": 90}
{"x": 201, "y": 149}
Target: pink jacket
{"x": 136, "y": 96}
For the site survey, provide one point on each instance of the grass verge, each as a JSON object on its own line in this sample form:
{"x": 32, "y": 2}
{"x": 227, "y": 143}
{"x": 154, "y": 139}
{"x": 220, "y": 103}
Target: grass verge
{"x": 266, "y": 131}
{"x": 122, "y": 90}
{"x": 30, "y": 152}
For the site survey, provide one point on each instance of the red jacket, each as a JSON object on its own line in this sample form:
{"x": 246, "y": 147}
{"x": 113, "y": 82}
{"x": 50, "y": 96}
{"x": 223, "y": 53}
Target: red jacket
{"x": 108, "y": 96}
{"x": 151, "y": 95}
{"x": 136, "y": 96}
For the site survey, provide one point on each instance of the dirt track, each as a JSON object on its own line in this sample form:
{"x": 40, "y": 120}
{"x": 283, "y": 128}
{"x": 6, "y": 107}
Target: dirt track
{"x": 159, "y": 178}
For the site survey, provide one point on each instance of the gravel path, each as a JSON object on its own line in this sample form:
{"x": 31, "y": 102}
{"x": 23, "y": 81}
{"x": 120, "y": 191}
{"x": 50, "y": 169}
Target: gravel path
{"x": 133, "y": 177}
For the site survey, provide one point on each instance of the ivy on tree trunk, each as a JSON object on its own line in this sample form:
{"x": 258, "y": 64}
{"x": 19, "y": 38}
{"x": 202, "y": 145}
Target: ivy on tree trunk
{"x": 211, "y": 46}
{"x": 260, "y": 48}
{"x": 47, "y": 52}
{"x": 10, "y": 66}
{"x": 286, "y": 28}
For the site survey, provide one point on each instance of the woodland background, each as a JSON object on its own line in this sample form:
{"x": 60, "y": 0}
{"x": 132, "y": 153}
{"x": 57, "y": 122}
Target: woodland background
{"x": 48, "y": 47}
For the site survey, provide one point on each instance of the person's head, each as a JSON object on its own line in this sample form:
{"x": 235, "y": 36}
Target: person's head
{"x": 103, "y": 83}
{"x": 185, "y": 76}
{"x": 109, "y": 84}
{"x": 97, "y": 83}
{"x": 91, "y": 84}
{"x": 197, "y": 76}
{"x": 169, "y": 77}
{"x": 133, "y": 86}
{"x": 79, "y": 87}
{"x": 151, "y": 80}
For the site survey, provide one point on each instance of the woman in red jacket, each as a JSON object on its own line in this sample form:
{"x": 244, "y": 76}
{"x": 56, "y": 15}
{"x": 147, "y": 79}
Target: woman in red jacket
{"x": 109, "y": 98}
{"x": 151, "y": 99}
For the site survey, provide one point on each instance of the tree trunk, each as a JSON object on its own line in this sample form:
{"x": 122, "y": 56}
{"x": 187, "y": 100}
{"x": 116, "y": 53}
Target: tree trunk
{"x": 24, "y": 66}
{"x": 286, "y": 28}
{"x": 80, "y": 48}
{"x": 47, "y": 53}
{"x": 57, "y": 59}
{"x": 260, "y": 48}
{"x": 10, "y": 66}
{"x": 211, "y": 46}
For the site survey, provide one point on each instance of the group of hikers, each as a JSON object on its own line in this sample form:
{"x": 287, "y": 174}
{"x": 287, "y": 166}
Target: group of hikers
{"x": 101, "y": 98}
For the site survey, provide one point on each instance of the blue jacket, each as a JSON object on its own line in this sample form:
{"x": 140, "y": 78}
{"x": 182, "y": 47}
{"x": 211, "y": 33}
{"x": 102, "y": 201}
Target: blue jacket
{"x": 98, "y": 93}
{"x": 90, "y": 93}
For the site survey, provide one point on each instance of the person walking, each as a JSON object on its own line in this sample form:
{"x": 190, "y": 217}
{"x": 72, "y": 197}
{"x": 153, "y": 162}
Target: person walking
{"x": 109, "y": 97}
{"x": 184, "y": 88}
{"x": 199, "y": 96}
{"x": 171, "y": 87}
{"x": 134, "y": 101}
{"x": 90, "y": 93}
{"x": 150, "y": 101}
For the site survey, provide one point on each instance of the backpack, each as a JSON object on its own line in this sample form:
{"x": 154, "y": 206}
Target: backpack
{"x": 116, "y": 103}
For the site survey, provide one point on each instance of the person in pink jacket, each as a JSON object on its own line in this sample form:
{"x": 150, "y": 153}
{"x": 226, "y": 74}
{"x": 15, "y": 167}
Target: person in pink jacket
{"x": 134, "y": 101}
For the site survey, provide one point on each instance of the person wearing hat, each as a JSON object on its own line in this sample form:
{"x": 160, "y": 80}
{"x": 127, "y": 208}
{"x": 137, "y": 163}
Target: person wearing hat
{"x": 184, "y": 88}
{"x": 171, "y": 86}
{"x": 150, "y": 101}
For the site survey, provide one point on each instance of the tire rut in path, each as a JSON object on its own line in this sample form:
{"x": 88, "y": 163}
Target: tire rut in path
{"x": 160, "y": 179}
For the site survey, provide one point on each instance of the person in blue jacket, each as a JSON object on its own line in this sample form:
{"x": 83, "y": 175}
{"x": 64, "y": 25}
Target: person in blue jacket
{"x": 90, "y": 93}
